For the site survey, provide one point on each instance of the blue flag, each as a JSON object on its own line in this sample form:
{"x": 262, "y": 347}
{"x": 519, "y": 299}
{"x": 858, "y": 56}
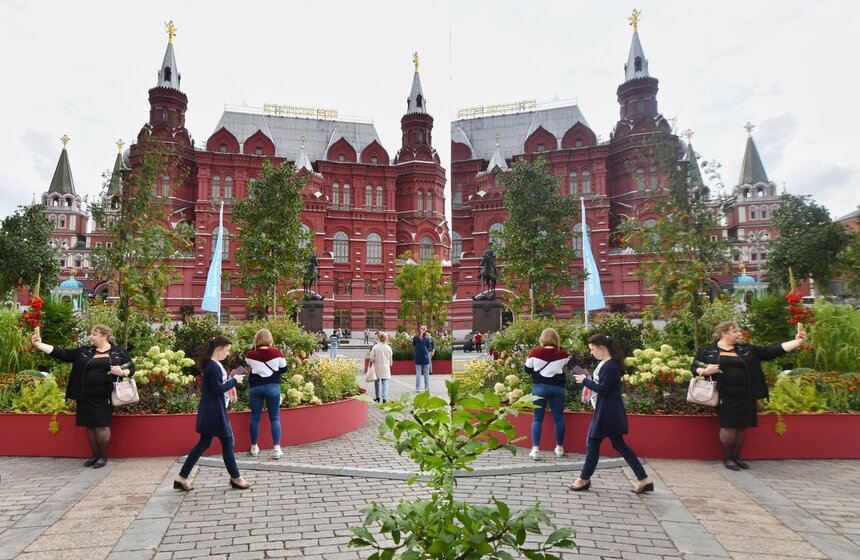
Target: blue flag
{"x": 212, "y": 295}
{"x": 593, "y": 292}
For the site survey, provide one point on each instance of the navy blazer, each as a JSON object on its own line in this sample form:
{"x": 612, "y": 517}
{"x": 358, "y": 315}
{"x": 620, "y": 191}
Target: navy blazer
{"x": 610, "y": 418}
{"x": 212, "y": 415}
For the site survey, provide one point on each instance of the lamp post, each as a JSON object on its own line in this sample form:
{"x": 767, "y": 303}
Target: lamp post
{"x": 757, "y": 239}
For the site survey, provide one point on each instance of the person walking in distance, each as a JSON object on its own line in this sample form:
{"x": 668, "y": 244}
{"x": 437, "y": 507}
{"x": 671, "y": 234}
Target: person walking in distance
{"x": 478, "y": 339}
{"x": 212, "y": 420}
{"x": 610, "y": 418}
{"x": 421, "y": 354}
{"x": 333, "y": 340}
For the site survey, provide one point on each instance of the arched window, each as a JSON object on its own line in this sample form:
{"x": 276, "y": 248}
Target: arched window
{"x": 637, "y": 64}
{"x": 456, "y": 247}
{"x": 764, "y": 212}
{"x": 55, "y": 201}
{"x": 368, "y": 198}
{"x": 753, "y": 213}
{"x": 458, "y": 197}
{"x": 577, "y": 237}
{"x": 379, "y": 198}
{"x": 69, "y": 202}
{"x": 61, "y": 222}
{"x": 228, "y": 187}
{"x": 346, "y": 205}
{"x": 79, "y": 261}
{"x": 304, "y": 242}
{"x": 640, "y": 179}
{"x": 495, "y": 239}
{"x": 586, "y": 182}
{"x": 497, "y": 180}
{"x": 426, "y": 248}
{"x": 374, "y": 249}
{"x": 428, "y": 204}
{"x": 225, "y": 242}
{"x": 341, "y": 247}
{"x": 216, "y": 187}
{"x": 652, "y": 178}
{"x": 165, "y": 186}
{"x": 573, "y": 183}
{"x": 420, "y": 203}
{"x": 53, "y": 219}
{"x": 114, "y": 203}
{"x": 335, "y": 196}
{"x": 649, "y": 224}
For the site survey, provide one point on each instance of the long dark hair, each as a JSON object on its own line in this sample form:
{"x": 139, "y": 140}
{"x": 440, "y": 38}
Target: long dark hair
{"x": 615, "y": 349}
{"x": 209, "y": 347}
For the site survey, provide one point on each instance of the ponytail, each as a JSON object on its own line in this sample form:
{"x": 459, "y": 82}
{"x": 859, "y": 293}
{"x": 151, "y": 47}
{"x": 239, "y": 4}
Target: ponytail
{"x": 615, "y": 349}
{"x": 209, "y": 347}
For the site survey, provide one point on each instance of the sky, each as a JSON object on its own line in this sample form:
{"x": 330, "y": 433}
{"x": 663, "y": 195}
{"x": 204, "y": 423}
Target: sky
{"x": 784, "y": 66}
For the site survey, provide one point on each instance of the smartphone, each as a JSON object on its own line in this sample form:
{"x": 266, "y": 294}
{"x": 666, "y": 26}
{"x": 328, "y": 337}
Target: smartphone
{"x": 579, "y": 371}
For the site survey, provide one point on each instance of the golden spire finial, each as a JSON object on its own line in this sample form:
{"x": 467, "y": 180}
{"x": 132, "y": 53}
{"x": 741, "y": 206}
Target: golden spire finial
{"x": 415, "y": 60}
{"x": 171, "y": 30}
{"x": 72, "y": 272}
{"x": 688, "y": 134}
{"x": 120, "y": 144}
{"x": 497, "y": 139}
{"x": 303, "y": 142}
{"x": 742, "y": 267}
{"x": 749, "y": 128}
{"x": 634, "y": 19}
{"x": 65, "y": 140}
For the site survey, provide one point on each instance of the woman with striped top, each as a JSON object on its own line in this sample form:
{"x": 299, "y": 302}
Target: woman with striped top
{"x": 267, "y": 365}
{"x": 546, "y": 366}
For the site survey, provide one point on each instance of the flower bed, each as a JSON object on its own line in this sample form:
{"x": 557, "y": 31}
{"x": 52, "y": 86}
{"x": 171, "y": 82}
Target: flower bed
{"x": 807, "y": 436}
{"x": 157, "y": 435}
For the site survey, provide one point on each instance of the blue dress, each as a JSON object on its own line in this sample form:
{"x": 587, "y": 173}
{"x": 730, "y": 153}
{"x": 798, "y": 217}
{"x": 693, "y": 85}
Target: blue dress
{"x": 212, "y": 415}
{"x": 610, "y": 418}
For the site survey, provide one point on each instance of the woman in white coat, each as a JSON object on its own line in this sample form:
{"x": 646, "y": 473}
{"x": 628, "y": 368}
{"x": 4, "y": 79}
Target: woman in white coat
{"x": 380, "y": 360}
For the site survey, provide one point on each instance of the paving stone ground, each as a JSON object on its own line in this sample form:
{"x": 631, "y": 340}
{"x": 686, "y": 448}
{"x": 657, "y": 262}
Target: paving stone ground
{"x": 303, "y": 505}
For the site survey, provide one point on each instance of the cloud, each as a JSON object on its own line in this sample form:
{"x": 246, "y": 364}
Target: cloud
{"x": 829, "y": 184}
{"x": 772, "y": 136}
{"x": 43, "y": 149}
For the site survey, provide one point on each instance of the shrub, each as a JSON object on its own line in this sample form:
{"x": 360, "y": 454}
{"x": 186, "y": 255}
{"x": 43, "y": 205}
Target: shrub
{"x": 12, "y": 340}
{"x": 679, "y": 329}
{"x": 288, "y": 335}
{"x": 657, "y": 382}
{"x": 616, "y": 325}
{"x": 60, "y": 324}
{"x": 835, "y": 338}
{"x": 163, "y": 384}
{"x": 42, "y": 396}
{"x": 523, "y": 335}
{"x": 192, "y": 333}
{"x": 141, "y": 335}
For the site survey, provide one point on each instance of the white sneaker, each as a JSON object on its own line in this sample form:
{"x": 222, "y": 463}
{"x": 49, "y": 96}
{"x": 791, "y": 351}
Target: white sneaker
{"x": 277, "y": 453}
{"x": 255, "y": 450}
{"x": 535, "y": 454}
{"x": 559, "y": 451}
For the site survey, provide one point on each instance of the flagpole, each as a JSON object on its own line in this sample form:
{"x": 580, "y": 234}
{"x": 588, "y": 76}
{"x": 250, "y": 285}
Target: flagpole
{"x": 584, "y": 264}
{"x": 212, "y": 293}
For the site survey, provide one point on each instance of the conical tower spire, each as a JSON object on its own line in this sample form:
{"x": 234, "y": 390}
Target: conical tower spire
{"x": 416, "y": 102}
{"x": 115, "y": 185}
{"x": 497, "y": 160}
{"x": 692, "y": 160}
{"x": 637, "y": 64}
{"x": 303, "y": 161}
{"x": 168, "y": 75}
{"x": 752, "y": 170}
{"x": 62, "y": 181}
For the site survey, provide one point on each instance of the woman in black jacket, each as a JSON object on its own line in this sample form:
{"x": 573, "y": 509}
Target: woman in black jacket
{"x": 740, "y": 384}
{"x": 94, "y": 370}
{"x": 610, "y": 418}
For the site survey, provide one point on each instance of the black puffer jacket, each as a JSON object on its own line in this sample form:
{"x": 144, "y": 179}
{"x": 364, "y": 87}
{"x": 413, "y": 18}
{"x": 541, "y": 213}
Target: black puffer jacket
{"x": 80, "y": 358}
{"x": 752, "y": 356}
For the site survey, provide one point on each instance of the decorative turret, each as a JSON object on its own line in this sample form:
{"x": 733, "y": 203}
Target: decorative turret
{"x": 115, "y": 185}
{"x": 62, "y": 182}
{"x": 167, "y": 103}
{"x": 498, "y": 160}
{"x": 417, "y": 124}
{"x": 168, "y": 75}
{"x": 303, "y": 161}
{"x": 694, "y": 172}
{"x": 752, "y": 169}
{"x": 416, "y": 102}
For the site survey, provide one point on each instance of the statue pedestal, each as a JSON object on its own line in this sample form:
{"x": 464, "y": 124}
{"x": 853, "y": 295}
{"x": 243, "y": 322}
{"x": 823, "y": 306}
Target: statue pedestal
{"x": 311, "y": 314}
{"x": 487, "y": 315}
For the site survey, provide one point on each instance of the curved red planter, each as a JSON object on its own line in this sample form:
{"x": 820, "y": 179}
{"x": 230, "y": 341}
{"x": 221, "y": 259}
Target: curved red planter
{"x": 406, "y": 367}
{"x": 159, "y": 435}
{"x": 808, "y": 436}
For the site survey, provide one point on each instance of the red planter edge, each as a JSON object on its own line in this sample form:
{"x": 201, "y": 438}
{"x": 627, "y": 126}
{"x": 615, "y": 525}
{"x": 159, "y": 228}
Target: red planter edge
{"x": 161, "y": 435}
{"x": 406, "y": 367}
{"x": 808, "y": 436}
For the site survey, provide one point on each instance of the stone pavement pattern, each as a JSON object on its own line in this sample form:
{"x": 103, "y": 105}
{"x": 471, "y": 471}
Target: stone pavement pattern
{"x": 299, "y": 508}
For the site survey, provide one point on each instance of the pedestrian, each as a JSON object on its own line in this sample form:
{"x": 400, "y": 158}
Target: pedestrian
{"x": 267, "y": 367}
{"x": 333, "y": 340}
{"x": 546, "y": 366}
{"x": 212, "y": 420}
{"x": 381, "y": 358}
{"x": 366, "y": 335}
{"x": 610, "y": 418}
{"x": 478, "y": 339}
{"x": 95, "y": 367}
{"x": 421, "y": 354}
{"x": 432, "y": 346}
{"x": 740, "y": 383}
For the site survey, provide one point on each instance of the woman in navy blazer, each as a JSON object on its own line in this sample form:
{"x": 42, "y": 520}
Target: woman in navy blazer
{"x": 610, "y": 418}
{"x": 212, "y": 418}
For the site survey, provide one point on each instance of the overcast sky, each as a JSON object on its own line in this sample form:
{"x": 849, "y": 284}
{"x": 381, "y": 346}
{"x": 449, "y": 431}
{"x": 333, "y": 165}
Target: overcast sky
{"x": 785, "y": 66}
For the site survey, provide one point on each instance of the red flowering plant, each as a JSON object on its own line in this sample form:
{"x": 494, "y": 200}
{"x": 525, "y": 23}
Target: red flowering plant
{"x": 799, "y": 313}
{"x": 32, "y": 319}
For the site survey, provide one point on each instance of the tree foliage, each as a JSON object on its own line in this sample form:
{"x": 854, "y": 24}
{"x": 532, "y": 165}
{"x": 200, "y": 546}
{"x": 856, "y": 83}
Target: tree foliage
{"x": 683, "y": 248}
{"x": 274, "y": 246}
{"x": 137, "y": 257}
{"x": 425, "y": 291}
{"x": 849, "y": 265}
{"x": 808, "y": 241}
{"x": 25, "y": 252}
{"x": 537, "y": 238}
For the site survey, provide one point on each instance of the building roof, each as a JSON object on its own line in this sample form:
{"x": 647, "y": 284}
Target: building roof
{"x": 286, "y": 132}
{"x": 62, "y": 182}
{"x": 417, "y": 103}
{"x": 695, "y": 172}
{"x": 171, "y": 78}
{"x": 497, "y": 160}
{"x": 630, "y": 72}
{"x": 115, "y": 185}
{"x": 851, "y": 216}
{"x": 479, "y": 134}
{"x": 752, "y": 170}
{"x": 71, "y": 284}
{"x": 744, "y": 279}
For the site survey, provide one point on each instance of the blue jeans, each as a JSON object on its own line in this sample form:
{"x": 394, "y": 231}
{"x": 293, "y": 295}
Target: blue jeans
{"x": 270, "y": 393}
{"x": 593, "y": 454}
{"x": 333, "y": 349}
{"x": 426, "y": 369}
{"x": 554, "y": 395}
{"x": 383, "y": 385}
{"x": 203, "y": 445}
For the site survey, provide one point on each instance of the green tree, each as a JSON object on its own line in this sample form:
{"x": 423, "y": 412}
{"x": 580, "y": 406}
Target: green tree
{"x": 849, "y": 265}
{"x": 536, "y": 247}
{"x": 25, "y": 252}
{"x": 139, "y": 261}
{"x": 682, "y": 249}
{"x": 808, "y": 241}
{"x": 274, "y": 245}
{"x": 425, "y": 291}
